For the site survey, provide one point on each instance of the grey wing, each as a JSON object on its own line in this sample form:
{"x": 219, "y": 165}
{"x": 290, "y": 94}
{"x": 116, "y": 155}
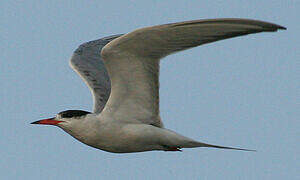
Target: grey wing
{"x": 132, "y": 61}
{"x": 87, "y": 62}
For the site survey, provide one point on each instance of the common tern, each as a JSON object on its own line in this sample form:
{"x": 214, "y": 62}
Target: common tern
{"x": 122, "y": 72}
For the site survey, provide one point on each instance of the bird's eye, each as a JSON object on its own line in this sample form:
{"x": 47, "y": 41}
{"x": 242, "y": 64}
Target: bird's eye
{"x": 72, "y": 113}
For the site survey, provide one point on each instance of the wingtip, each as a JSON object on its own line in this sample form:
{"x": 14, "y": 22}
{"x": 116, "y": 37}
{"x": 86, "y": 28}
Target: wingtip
{"x": 278, "y": 27}
{"x": 275, "y": 28}
{"x": 282, "y": 28}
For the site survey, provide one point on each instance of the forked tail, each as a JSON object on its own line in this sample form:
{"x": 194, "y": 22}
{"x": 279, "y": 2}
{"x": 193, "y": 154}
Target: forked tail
{"x": 200, "y": 144}
{"x": 174, "y": 142}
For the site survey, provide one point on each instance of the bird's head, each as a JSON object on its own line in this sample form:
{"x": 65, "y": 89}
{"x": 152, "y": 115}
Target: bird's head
{"x": 63, "y": 117}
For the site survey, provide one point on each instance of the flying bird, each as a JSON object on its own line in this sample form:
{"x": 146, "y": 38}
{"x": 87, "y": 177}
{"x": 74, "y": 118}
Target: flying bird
{"x": 122, "y": 72}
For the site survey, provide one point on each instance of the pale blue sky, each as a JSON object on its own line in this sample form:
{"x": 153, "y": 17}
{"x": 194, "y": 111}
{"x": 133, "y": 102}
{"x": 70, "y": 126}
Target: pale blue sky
{"x": 241, "y": 92}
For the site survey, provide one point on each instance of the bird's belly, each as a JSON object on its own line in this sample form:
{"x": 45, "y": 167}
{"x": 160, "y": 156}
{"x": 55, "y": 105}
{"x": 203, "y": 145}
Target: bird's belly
{"x": 126, "y": 139}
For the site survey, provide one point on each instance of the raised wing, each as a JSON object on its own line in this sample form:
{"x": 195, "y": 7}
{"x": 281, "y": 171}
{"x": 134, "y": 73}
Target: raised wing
{"x": 132, "y": 61}
{"x": 87, "y": 62}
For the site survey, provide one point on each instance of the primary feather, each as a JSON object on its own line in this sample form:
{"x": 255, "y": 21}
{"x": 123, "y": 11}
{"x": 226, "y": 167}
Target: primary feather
{"x": 87, "y": 62}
